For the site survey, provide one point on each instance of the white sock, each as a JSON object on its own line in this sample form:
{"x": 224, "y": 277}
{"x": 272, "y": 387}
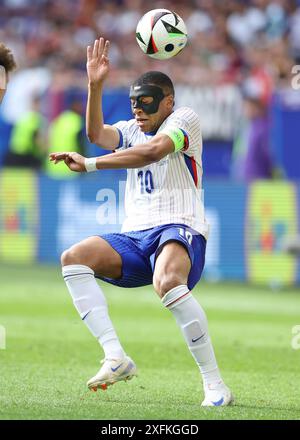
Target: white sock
{"x": 91, "y": 304}
{"x": 192, "y": 320}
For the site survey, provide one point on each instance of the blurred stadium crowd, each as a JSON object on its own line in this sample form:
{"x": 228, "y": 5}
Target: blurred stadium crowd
{"x": 226, "y": 39}
{"x": 249, "y": 43}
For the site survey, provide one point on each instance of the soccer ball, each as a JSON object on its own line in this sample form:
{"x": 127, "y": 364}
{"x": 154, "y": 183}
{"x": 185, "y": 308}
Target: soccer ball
{"x": 161, "y": 34}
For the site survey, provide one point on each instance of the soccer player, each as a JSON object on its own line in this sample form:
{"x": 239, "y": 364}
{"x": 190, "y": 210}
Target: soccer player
{"x": 163, "y": 238}
{"x": 7, "y": 64}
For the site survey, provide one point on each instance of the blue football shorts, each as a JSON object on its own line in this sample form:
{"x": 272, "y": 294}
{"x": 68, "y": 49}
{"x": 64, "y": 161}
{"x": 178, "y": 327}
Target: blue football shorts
{"x": 139, "y": 250}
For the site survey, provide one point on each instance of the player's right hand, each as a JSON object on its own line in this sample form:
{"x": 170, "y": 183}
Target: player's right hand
{"x": 73, "y": 160}
{"x": 97, "y": 65}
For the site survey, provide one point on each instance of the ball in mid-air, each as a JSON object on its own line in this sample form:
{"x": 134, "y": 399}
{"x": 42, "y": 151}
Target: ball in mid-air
{"x": 161, "y": 34}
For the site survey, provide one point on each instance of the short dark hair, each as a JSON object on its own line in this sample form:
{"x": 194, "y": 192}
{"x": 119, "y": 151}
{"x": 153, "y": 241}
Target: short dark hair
{"x": 157, "y": 79}
{"x": 6, "y": 58}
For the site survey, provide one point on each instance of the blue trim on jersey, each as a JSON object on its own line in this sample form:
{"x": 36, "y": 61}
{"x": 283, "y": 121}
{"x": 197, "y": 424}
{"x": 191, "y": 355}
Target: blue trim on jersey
{"x": 151, "y": 133}
{"x": 121, "y": 138}
{"x": 188, "y": 162}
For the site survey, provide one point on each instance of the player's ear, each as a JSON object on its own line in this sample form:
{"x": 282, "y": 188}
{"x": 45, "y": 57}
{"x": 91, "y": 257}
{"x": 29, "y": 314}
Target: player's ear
{"x": 170, "y": 101}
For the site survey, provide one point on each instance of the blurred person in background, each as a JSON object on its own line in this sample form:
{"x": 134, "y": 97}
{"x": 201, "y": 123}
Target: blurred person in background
{"x": 218, "y": 32}
{"x": 291, "y": 245}
{"x": 7, "y": 64}
{"x": 66, "y": 132}
{"x": 27, "y": 142}
{"x": 258, "y": 162}
{"x": 228, "y": 41}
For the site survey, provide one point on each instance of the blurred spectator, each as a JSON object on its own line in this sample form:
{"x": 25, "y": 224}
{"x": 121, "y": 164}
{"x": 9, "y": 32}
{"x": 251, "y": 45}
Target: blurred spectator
{"x": 66, "y": 133}
{"x": 294, "y": 36}
{"x": 44, "y": 32}
{"x": 277, "y": 22}
{"x": 228, "y": 42}
{"x": 258, "y": 162}
{"x": 259, "y": 68}
{"x": 27, "y": 142}
{"x": 245, "y": 22}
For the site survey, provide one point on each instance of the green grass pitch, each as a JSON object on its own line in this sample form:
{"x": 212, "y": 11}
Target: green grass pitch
{"x": 50, "y": 354}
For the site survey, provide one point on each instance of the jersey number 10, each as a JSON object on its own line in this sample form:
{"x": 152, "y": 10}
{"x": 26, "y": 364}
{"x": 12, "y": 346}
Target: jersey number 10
{"x": 146, "y": 181}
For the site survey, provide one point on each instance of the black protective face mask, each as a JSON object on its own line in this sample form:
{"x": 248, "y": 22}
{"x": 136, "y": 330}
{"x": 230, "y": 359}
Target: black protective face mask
{"x": 136, "y": 92}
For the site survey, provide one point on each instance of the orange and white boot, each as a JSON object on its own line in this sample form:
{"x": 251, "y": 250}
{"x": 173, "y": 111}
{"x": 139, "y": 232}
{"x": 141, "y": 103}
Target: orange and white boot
{"x": 112, "y": 371}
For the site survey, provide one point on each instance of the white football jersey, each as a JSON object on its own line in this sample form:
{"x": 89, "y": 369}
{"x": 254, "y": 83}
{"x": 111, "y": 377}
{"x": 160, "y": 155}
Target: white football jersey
{"x": 168, "y": 191}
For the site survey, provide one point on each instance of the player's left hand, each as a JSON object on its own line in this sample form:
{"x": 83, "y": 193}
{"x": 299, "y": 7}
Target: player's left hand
{"x": 74, "y": 161}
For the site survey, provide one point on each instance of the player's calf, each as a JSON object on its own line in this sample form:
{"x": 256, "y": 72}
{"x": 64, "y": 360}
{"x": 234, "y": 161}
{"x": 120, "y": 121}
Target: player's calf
{"x": 192, "y": 320}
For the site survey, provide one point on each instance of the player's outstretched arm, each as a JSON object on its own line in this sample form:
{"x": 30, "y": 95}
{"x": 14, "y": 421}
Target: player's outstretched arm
{"x": 138, "y": 156}
{"x": 97, "y": 67}
{"x": 135, "y": 157}
{"x": 74, "y": 161}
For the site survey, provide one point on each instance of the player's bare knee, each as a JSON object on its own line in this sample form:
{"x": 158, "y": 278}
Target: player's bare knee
{"x": 156, "y": 284}
{"x": 64, "y": 258}
{"x": 70, "y": 256}
{"x": 166, "y": 283}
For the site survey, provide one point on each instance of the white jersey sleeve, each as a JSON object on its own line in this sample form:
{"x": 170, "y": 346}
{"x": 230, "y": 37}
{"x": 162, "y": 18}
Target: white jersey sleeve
{"x": 189, "y": 122}
{"x": 122, "y": 127}
{"x": 129, "y": 134}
